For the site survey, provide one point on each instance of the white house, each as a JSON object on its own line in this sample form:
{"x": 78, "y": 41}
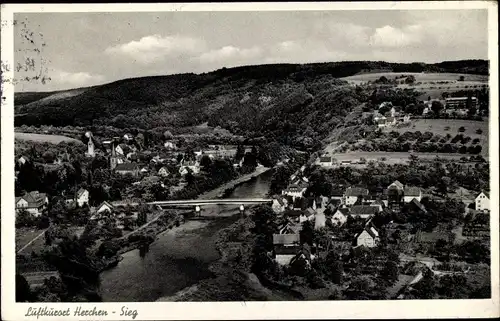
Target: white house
{"x": 33, "y": 202}
{"x": 295, "y": 190}
{"x": 352, "y": 194}
{"x": 169, "y": 145}
{"x": 325, "y": 161}
{"x": 279, "y": 205}
{"x": 105, "y": 206}
{"x": 82, "y": 197}
{"x": 483, "y": 201}
{"x": 411, "y": 193}
{"x": 340, "y": 216}
{"x": 186, "y": 166}
{"x": 164, "y": 172}
{"x": 369, "y": 237}
{"x": 119, "y": 150}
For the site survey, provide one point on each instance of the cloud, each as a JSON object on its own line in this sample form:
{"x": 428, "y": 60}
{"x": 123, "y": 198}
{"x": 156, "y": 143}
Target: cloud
{"x": 391, "y": 37}
{"x": 342, "y": 33}
{"x": 154, "y": 48}
{"x": 230, "y": 54}
{"x": 75, "y": 78}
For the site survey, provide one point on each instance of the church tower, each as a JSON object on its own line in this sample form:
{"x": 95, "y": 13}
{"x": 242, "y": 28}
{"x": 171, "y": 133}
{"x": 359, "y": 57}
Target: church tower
{"x": 112, "y": 159}
{"x": 90, "y": 145}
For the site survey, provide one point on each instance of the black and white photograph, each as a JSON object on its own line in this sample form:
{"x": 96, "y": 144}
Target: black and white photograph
{"x": 256, "y": 155}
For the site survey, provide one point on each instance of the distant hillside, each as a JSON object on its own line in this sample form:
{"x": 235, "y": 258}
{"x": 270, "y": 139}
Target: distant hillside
{"x": 249, "y": 100}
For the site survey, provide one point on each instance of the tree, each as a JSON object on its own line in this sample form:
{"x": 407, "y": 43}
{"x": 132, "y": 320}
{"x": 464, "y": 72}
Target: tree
{"x": 410, "y": 80}
{"x": 461, "y": 78}
{"x": 23, "y": 291}
{"x": 240, "y": 152}
{"x": 436, "y": 107}
{"x": 307, "y": 233}
{"x": 390, "y": 273}
{"x": 205, "y": 162}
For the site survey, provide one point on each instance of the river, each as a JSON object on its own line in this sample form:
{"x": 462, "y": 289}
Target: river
{"x": 179, "y": 257}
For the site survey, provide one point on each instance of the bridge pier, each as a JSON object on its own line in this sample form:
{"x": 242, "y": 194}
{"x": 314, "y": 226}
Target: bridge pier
{"x": 242, "y": 209}
{"x": 197, "y": 210}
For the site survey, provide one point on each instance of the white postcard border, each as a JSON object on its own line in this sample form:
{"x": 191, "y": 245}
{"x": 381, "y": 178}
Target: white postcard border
{"x": 243, "y": 310}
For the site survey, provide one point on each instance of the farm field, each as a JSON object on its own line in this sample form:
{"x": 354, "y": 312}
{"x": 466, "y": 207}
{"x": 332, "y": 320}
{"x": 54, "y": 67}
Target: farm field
{"x": 54, "y": 139}
{"x": 438, "y": 126}
{"x": 391, "y": 157}
{"x": 428, "y": 83}
{"x": 25, "y": 235}
{"x": 419, "y": 77}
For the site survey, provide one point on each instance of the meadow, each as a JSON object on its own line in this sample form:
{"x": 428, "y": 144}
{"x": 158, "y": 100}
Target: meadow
{"x": 54, "y": 139}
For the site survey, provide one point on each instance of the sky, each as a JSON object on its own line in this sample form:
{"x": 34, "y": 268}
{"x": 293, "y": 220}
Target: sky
{"x": 84, "y": 49}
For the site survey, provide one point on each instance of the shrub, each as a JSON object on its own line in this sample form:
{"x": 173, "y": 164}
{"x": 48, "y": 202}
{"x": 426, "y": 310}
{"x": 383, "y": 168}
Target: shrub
{"x": 461, "y": 129}
{"x": 475, "y": 141}
{"x": 447, "y": 128}
{"x": 479, "y": 131}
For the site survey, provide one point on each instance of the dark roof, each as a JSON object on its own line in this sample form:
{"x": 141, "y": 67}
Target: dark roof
{"x": 419, "y": 205}
{"x": 337, "y": 192}
{"x": 485, "y": 193}
{"x": 356, "y": 191}
{"x": 398, "y": 184}
{"x": 34, "y": 198}
{"x": 286, "y": 238}
{"x": 364, "y": 209}
{"x": 80, "y": 192}
{"x": 369, "y": 230}
{"x": 325, "y": 159}
{"x": 293, "y": 213}
{"x": 127, "y": 167}
{"x": 412, "y": 191}
{"x": 344, "y": 211}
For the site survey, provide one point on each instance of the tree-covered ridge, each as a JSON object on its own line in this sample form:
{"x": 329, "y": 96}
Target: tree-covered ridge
{"x": 187, "y": 99}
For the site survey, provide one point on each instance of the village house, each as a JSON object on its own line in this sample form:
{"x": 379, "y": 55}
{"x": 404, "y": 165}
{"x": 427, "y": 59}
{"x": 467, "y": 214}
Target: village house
{"x": 295, "y": 190}
{"x": 352, "y": 194}
{"x": 340, "y": 216}
{"x": 379, "y": 204}
{"x": 163, "y": 172}
{"x": 33, "y": 202}
{"x": 81, "y": 198}
{"x": 279, "y": 205}
{"x": 22, "y": 160}
{"x": 286, "y": 247}
{"x": 128, "y": 168}
{"x": 363, "y": 211}
{"x": 301, "y": 262}
{"x": 186, "y": 166}
{"x": 128, "y": 137}
{"x": 325, "y": 161}
{"x": 170, "y": 146}
{"x": 369, "y": 237}
{"x": 307, "y": 215}
{"x": 337, "y": 194}
{"x": 410, "y": 193}
{"x": 416, "y": 206}
{"x": 483, "y": 201}
{"x": 104, "y": 206}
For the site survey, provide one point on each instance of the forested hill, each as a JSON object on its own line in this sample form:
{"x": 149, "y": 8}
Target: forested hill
{"x": 247, "y": 100}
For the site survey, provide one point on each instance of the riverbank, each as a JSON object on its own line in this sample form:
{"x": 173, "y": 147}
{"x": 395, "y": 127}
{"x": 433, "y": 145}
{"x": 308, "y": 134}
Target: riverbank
{"x": 232, "y": 279}
{"x": 180, "y": 257}
{"x": 155, "y": 229}
{"x": 229, "y": 186}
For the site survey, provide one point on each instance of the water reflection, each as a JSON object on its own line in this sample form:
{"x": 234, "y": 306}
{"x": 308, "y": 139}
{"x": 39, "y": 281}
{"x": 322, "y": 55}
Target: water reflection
{"x": 179, "y": 257}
